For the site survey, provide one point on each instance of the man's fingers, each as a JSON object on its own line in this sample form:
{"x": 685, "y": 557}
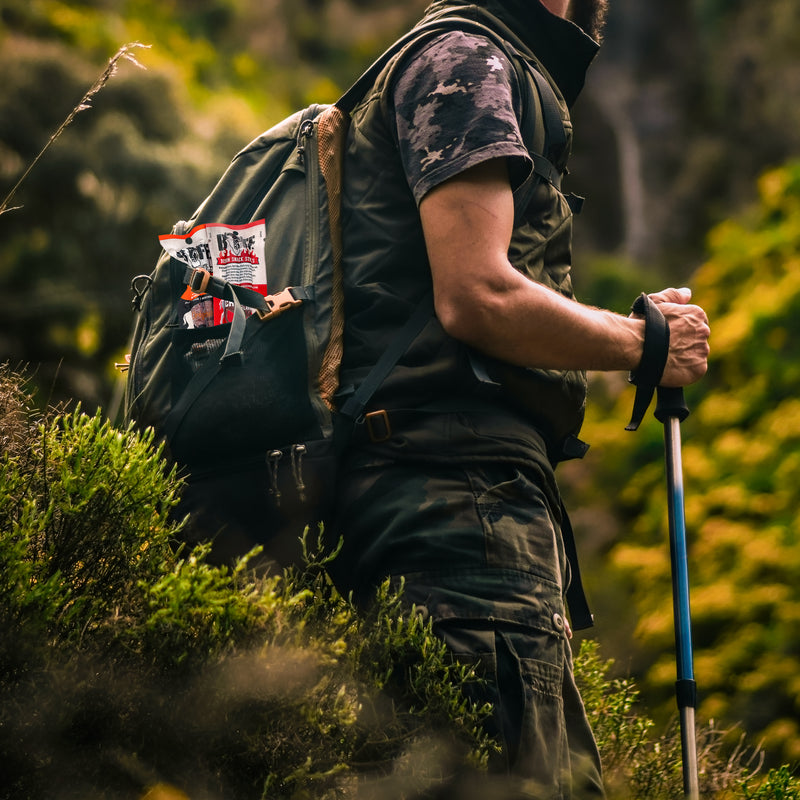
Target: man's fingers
{"x": 690, "y": 316}
{"x": 680, "y": 296}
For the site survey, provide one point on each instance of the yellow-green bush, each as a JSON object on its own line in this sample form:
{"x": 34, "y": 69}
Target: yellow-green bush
{"x": 741, "y": 465}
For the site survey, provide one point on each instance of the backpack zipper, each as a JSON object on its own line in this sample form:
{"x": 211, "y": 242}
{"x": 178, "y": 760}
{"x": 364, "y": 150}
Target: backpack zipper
{"x": 303, "y": 135}
{"x": 300, "y": 148}
{"x": 308, "y": 155}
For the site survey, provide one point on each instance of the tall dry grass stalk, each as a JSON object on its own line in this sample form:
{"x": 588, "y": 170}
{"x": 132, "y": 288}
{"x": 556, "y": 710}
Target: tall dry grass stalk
{"x": 126, "y": 52}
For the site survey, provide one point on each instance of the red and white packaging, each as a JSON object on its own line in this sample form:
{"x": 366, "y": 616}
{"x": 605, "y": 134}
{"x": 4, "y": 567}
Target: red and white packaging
{"x": 234, "y": 253}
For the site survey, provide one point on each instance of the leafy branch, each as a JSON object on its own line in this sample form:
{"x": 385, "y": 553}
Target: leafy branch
{"x": 126, "y": 52}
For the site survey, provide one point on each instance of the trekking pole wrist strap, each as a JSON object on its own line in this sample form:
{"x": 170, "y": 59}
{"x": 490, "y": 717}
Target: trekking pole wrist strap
{"x": 655, "y": 352}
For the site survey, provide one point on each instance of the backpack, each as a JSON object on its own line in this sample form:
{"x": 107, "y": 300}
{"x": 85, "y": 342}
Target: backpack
{"x": 244, "y": 407}
{"x": 248, "y": 407}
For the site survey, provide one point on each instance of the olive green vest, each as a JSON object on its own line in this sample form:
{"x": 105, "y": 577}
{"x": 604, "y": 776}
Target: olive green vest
{"x": 386, "y": 271}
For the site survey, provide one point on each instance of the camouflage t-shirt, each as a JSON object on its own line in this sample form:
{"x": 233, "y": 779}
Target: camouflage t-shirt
{"x": 457, "y": 104}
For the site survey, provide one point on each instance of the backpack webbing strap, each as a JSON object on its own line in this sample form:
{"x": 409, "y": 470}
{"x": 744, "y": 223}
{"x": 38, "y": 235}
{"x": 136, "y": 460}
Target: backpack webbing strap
{"x": 545, "y": 169}
{"x": 353, "y": 409}
{"x": 231, "y": 293}
{"x": 196, "y": 386}
{"x": 203, "y": 282}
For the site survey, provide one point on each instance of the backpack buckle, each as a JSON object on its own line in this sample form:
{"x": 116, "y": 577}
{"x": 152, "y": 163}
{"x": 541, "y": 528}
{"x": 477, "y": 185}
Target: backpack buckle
{"x": 198, "y": 280}
{"x": 277, "y": 304}
{"x": 379, "y": 429}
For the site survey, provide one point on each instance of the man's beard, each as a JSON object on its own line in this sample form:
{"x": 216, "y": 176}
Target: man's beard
{"x": 589, "y": 15}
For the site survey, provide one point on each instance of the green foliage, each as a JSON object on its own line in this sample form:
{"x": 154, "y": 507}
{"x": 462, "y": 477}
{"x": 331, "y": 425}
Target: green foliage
{"x": 403, "y": 654}
{"x": 639, "y": 763}
{"x": 127, "y": 661}
{"x": 620, "y": 732}
{"x": 78, "y": 503}
{"x": 81, "y": 229}
{"x": 778, "y": 784}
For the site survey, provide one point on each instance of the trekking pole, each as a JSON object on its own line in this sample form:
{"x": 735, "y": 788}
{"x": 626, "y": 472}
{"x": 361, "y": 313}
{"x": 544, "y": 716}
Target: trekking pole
{"x": 671, "y": 410}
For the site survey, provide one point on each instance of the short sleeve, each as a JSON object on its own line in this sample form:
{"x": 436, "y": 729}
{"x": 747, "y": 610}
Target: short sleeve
{"x": 457, "y": 104}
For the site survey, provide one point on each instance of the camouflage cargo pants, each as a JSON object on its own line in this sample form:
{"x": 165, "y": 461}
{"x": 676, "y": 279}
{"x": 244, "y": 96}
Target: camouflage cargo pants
{"x": 477, "y": 540}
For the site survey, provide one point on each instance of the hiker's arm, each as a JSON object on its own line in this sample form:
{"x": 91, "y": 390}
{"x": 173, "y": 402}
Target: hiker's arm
{"x": 483, "y": 301}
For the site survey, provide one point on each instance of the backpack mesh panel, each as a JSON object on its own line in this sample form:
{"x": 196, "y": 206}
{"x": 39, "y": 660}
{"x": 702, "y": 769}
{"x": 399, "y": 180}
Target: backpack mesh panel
{"x": 332, "y": 129}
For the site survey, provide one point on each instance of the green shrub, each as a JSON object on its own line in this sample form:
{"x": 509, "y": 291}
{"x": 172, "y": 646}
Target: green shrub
{"x": 128, "y": 661}
{"x": 84, "y": 513}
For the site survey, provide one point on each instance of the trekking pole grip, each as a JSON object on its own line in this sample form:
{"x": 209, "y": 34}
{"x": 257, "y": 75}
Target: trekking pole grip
{"x": 670, "y": 402}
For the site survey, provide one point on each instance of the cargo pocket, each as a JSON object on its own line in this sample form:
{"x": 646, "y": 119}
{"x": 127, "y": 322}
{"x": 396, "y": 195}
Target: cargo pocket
{"x": 518, "y": 526}
{"x": 523, "y": 670}
{"x": 532, "y": 708}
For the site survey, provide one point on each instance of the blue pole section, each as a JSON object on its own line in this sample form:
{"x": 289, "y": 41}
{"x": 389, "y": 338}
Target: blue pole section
{"x": 678, "y": 550}
{"x": 671, "y": 410}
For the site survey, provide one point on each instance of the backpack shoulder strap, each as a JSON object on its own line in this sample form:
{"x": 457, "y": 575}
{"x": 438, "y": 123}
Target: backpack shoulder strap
{"x": 353, "y": 96}
{"x": 555, "y": 135}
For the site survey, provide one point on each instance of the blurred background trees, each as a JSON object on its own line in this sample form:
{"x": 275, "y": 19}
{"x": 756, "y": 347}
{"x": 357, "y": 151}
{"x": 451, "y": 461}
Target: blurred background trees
{"x": 687, "y": 103}
{"x": 685, "y": 137}
{"x": 742, "y": 472}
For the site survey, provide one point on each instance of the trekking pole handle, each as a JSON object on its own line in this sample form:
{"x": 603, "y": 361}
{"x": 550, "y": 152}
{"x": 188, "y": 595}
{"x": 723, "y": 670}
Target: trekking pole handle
{"x": 670, "y": 403}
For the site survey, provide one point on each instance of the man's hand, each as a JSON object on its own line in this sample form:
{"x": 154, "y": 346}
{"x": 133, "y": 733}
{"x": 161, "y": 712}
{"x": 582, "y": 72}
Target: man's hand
{"x": 688, "y": 337}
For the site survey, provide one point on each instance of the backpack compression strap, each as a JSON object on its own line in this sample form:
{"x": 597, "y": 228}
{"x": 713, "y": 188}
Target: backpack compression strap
{"x": 203, "y": 282}
{"x": 351, "y": 412}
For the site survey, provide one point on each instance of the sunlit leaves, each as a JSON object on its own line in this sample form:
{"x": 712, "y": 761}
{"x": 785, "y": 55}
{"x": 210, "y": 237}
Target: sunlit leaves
{"x": 742, "y": 477}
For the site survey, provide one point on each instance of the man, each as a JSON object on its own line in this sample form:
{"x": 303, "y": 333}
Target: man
{"x": 449, "y": 483}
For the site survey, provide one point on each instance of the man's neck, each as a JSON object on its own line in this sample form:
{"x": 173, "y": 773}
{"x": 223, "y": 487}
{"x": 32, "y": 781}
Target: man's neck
{"x": 557, "y": 7}
{"x": 562, "y": 47}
